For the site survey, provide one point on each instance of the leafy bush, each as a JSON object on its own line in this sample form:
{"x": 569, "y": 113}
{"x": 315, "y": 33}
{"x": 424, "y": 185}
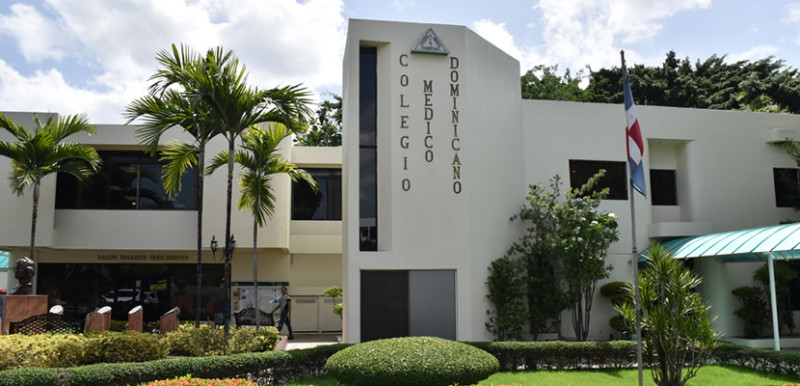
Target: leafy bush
{"x": 189, "y": 381}
{"x": 267, "y": 368}
{"x": 196, "y": 341}
{"x": 411, "y": 361}
{"x": 127, "y": 346}
{"x": 56, "y": 350}
{"x": 557, "y": 355}
{"x": 66, "y": 350}
{"x": 247, "y": 339}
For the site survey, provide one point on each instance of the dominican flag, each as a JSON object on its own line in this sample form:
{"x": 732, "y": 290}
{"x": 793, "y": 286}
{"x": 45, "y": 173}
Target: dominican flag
{"x": 635, "y": 140}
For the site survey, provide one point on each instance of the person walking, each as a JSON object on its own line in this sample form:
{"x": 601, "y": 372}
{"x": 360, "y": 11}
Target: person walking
{"x": 285, "y": 304}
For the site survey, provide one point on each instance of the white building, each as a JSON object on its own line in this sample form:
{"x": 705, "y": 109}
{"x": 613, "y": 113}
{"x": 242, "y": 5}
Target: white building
{"x": 440, "y": 148}
{"x": 122, "y": 235}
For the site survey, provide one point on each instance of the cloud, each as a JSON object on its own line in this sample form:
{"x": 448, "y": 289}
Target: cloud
{"x": 792, "y": 13}
{"x": 108, "y": 49}
{"x": 37, "y": 37}
{"x": 497, "y": 34}
{"x": 584, "y": 32}
{"x": 754, "y": 53}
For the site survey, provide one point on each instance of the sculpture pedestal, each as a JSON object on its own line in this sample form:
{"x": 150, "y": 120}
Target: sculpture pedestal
{"x": 15, "y": 308}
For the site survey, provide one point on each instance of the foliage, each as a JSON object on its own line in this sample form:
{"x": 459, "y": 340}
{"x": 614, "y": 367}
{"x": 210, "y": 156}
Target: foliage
{"x": 676, "y": 329}
{"x": 326, "y": 129}
{"x": 506, "y": 292}
{"x": 187, "y": 380}
{"x": 334, "y": 293}
{"x": 765, "y": 85}
{"x": 195, "y": 341}
{"x": 753, "y": 311}
{"x": 272, "y": 367}
{"x": 126, "y": 346}
{"x": 542, "y": 82}
{"x": 65, "y": 350}
{"x": 562, "y": 252}
{"x": 560, "y": 355}
{"x": 248, "y": 339}
{"x": 784, "y": 275}
{"x": 617, "y": 293}
{"x": 43, "y": 151}
{"x": 411, "y": 361}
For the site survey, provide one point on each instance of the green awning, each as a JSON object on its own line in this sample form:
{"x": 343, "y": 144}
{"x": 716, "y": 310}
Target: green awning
{"x": 782, "y": 241}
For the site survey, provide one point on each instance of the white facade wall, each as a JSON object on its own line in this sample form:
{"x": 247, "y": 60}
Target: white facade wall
{"x": 87, "y": 235}
{"x": 723, "y": 160}
{"x": 426, "y": 225}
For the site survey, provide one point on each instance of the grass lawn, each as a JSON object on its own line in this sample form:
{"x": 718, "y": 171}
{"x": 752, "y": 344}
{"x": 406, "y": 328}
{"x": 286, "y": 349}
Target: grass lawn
{"x": 708, "y": 375}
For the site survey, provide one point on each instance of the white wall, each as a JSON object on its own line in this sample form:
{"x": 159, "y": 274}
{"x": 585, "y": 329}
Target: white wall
{"x": 429, "y": 225}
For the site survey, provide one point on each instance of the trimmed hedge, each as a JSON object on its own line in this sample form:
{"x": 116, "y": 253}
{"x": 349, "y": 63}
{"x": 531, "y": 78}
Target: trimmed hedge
{"x": 779, "y": 362}
{"x": 65, "y": 350}
{"x": 411, "y": 361}
{"x": 559, "y": 355}
{"x": 285, "y": 366}
{"x": 264, "y": 368}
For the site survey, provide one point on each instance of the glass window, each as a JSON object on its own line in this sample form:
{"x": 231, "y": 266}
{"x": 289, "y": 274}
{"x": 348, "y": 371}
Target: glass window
{"x": 127, "y": 180}
{"x": 615, "y": 179}
{"x": 323, "y": 205}
{"x": 368, "y": 150}
{"x": 663, "y": 188}
{"x": 787, "y": 187}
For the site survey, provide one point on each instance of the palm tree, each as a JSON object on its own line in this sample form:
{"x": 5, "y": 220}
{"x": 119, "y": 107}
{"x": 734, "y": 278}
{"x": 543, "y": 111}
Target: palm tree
{"x": 36, "y": 154}
{"x": 259, "y": 161}
{"x": 218, "y": 85}
{"x": 164, "y": 108}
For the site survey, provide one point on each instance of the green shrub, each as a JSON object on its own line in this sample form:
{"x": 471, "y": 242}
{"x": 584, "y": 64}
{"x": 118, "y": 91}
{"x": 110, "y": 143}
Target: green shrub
{"x": 126, "y": 346}
{"x": 190, "y": 341}
{"x": 247, "y": 339}
{"x": 411, "y": 361}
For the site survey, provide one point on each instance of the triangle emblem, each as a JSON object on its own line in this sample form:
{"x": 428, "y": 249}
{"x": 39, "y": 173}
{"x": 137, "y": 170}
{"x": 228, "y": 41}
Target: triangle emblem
{"x": 430, "y": 44}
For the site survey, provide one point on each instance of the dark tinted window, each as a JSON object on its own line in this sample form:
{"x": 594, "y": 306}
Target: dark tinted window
{"x": 663, "y": 189}
{"x": 786, "y": 187}
{"x": 127, "y": 180}
{"x": 326, "y": 204}
{"x": 615, "y": 179}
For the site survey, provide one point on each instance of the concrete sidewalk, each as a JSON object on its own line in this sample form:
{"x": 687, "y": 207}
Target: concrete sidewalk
{"x": 307, "y": 341}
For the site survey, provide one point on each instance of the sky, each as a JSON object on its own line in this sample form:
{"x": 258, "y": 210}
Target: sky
{"x": 95, "y": 56}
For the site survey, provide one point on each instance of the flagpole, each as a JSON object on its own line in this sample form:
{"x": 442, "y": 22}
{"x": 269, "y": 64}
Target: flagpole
{"x": 634, "y": 256}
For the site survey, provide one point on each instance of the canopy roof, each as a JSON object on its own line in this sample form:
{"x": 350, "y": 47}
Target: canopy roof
{"x": 782, "y": 241}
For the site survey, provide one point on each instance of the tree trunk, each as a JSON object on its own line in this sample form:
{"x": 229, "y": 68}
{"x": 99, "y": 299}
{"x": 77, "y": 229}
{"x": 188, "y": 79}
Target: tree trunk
{"x": 228, "y": 248}
{"x": 34, "y": 216}
{"x": 255, "y": 273}
{"x": 200, "y": 179}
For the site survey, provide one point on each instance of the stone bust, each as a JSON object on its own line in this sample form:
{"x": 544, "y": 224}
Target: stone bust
{"x": 23, "y": 272}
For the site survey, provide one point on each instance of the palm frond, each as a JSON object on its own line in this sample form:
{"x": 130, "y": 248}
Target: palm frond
{"x": 179, "y": 156}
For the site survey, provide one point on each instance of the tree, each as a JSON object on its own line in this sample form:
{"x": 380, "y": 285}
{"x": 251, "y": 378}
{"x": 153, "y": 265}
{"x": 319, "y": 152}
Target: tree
{"x": 506, "y": 286}
{"x": 765, "y": 85}
{"x": 562, "y": 252}
{"x": 676, "y": 328}
{"x": 260, "y": 161}
{"x": 326, "y": 130}
{"x": 542, "y": 82}
{"x": 334, "y": 293}
{"x": 217, "y": 83}
{"x": 37, "y": 154}
{"x": 587, "y": 234}
{"x": 164, "y": 108}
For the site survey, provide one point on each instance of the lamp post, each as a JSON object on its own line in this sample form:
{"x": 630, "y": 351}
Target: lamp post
{"x": 227, "y": 255}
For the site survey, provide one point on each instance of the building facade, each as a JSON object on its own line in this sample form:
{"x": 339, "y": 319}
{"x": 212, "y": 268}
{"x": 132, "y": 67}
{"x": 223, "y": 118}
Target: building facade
{"x": 439, "y": 149}
{"x": 121, "y": 241}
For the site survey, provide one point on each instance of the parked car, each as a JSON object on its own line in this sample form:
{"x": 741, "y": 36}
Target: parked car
{"x": 123, "y": 295}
